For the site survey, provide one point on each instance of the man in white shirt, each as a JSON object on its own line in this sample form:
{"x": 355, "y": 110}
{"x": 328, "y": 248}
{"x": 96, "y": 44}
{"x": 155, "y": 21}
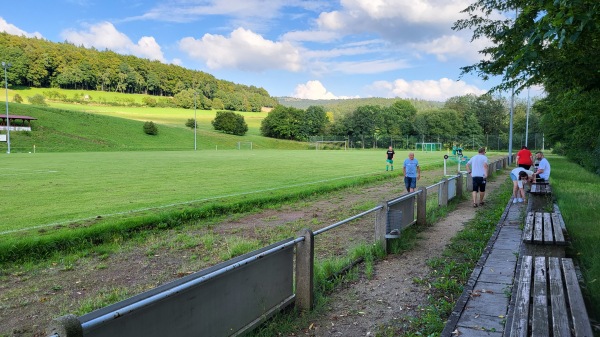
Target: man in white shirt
{"x": 477, "y": 167}
{"x": 543, "y": 170}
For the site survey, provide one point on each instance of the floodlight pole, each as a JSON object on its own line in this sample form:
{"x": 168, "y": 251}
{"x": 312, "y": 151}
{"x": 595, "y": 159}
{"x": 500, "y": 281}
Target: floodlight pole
{"x": 195, "y": 123}
{"x": 6, "y": 66}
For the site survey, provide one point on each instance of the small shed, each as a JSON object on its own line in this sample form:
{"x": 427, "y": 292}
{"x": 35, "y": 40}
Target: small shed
{"x": 17, "y": 123}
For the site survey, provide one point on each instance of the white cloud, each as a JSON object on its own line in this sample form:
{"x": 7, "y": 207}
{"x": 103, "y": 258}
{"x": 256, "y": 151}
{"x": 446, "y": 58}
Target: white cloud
{"x": 243, "y": 50}
{"x": 424, "y": 25}
{"x": 369, "y": 67}
{"x": 14, "y": 30}
{"x": 452, "y": 46}
{"x": 315, "y": 90}
{"x": 439, "y": 90}
{"x": 312, "y": 90}
{"x": 104, "y": 35}
{"x": 310, "y": 36}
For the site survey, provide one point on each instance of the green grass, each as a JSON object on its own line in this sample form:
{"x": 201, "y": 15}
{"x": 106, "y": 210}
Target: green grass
{"x": 576, "y": 192}
{"x": 67, "y": 129}
{"x": 77, "y": 199}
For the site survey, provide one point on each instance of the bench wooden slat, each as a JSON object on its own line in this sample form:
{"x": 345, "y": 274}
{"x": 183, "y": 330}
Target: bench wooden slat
{"x": 528, "y": 229}
{"x": 537, "y": 229}
{"x": 559, "y": 237}
{"x": 520, "y": 321}
{"x": 539, "y": 319}
{"x": 581, "y": 324}
{"x": 548, "y": 233}
{"x": 560, "y": 319}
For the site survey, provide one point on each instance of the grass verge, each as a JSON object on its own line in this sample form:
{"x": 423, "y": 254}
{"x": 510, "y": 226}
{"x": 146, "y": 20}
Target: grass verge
{"x": 576, "y": 193}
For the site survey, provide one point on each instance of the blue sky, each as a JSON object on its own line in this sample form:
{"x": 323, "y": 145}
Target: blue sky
{"x": 301, "y": 48}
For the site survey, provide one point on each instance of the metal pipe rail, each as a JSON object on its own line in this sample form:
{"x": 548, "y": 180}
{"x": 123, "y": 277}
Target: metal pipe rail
{"x": 324, "y": 229}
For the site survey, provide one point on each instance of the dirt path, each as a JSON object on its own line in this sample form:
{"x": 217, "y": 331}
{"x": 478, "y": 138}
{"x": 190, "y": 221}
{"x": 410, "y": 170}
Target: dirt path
{"x": 361, "y": 308}
{"x": 33, "y": 294}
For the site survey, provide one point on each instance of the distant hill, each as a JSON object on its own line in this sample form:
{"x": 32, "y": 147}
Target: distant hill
{"x": 347, "y": 105}
{"x": 44, "y": 64}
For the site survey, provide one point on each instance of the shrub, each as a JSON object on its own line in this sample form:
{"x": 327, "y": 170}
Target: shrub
{"x": 230, "y": 122}
{"x": 149, "y": 101}
{"x": 17, "y": 98}
{"x": 37, "y": 99}
{"x": 190, "y": 123}
{"x": 150, "y": 128}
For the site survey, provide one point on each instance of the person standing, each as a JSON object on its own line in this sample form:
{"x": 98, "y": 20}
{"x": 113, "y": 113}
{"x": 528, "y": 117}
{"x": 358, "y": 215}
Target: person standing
{"x": 477, "y": 167}
{"x": 390, "y": 158}
{"x": 543, "y": 170}
{"x": 412, "y": 172}
{"x": 524, "y": 158}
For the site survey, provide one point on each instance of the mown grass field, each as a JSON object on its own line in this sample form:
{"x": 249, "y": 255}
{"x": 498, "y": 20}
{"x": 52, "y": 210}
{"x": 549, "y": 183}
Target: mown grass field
{"x": 58, "y": 188}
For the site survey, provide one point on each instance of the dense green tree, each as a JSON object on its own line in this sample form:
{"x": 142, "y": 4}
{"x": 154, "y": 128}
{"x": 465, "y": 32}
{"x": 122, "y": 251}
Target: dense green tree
{"x": 283, "y": 123}
{"x": 315, "y": 121}
{"x": 554, "y": 43}
{"x": 230, "y": 122}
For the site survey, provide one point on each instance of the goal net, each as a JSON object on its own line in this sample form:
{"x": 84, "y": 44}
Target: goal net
{"x": 244, "y": 145}
{"x": 331, "y": 145}
{"x": 428, "y": 146}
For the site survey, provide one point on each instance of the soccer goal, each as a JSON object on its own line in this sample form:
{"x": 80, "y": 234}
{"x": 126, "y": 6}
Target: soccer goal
{"x": 331, "y": 145}
{"x": 244, "y": 145}
{"x": 428, "y": 147}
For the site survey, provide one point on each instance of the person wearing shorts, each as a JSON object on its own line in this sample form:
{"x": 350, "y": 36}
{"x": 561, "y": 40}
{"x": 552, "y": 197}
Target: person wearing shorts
{"x": 477, "y": 167}
{"x": 412, "y": 172}
{"x": 520, "y": 177}
{"x": 390, "y": 158}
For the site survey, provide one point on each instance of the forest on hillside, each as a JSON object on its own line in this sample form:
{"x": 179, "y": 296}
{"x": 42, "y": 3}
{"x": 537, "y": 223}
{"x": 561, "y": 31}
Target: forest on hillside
{"x": 44, "y": 64}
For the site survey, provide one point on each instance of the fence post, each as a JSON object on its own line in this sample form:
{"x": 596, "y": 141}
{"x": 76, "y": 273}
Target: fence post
{"x": 305, "y": 257}
{"x": 422, "y": 206}
{"x": 443, "y": 198}
{"x": 66, "y": 326}
{"x": 469, "y": 178}
{"x": 459, "y": 186}
{"x": 381, "y": 224}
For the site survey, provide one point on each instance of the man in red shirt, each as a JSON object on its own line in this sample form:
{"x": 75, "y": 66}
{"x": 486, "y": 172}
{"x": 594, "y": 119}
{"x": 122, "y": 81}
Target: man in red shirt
{"x": 524, "y": 158}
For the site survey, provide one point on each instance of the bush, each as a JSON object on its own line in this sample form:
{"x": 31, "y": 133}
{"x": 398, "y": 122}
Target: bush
{"x": 149, "y": 101}
{"x": 17, "y": 98}
{"x": 37, "y": 99}
{"x": 230, "y": 122}
{"x": 150, "y": 128}
{"x": 190, "y": 123}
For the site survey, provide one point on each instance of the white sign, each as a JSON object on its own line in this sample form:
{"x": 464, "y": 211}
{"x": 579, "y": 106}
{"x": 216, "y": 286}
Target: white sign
{"x": 2, "y": 138}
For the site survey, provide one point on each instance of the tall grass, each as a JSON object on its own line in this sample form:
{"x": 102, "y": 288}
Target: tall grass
{"x": 576, "y": 191}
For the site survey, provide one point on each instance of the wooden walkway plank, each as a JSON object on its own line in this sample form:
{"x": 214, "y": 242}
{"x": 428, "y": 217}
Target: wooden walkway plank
{"x": 581, "y": 324}
{"x": 559, "y": 236}
{"x": 539, "y": 320}
{"x": 537, "y": 229}
{"x": 520, "y": 322}
{"x": 560, "y": 318}
{"x": 547, "y": 223}
{"x": 528, "y": 228}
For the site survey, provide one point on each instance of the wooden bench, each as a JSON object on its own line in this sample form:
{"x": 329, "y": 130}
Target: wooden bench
{"x": 548, "y": 300}
{"x": 540, "y": 188}
{"x": 544, "y": 234}
{"x": 540, "y": 196}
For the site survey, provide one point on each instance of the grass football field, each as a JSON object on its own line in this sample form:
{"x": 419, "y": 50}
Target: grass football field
{"x": 50, "y": 189}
